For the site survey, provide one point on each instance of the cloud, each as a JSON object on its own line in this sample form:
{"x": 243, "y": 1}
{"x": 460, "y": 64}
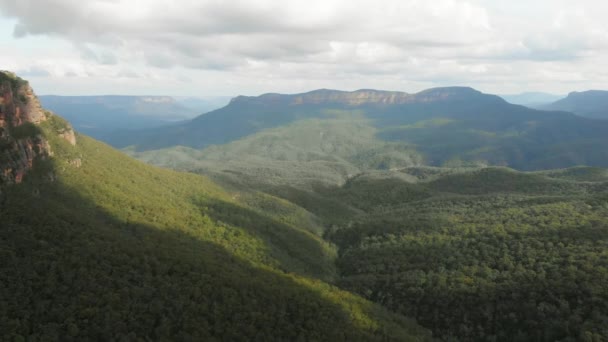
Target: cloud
{"x": 464, "y": 41}
{"x": 221, "y": 34}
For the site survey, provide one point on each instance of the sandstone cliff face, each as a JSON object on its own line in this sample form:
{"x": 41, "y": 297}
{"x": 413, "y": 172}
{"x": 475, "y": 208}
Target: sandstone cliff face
{"x": 325, "y": 96}
{"x": 360, "y": 97}
{"x": 21, "y": 143}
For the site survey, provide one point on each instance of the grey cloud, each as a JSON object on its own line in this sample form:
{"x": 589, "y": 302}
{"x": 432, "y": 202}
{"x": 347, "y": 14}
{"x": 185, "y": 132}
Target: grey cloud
{"x": 216, "y": 34}
{"x": 428, "y": 41}
{"x": 556, "y": 45}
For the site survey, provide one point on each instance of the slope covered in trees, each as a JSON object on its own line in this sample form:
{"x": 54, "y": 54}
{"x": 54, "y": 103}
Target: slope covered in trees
{"x": 328, "y": 135}
{"x": 98, "y": 246}
{"x": 488, "y": 254}
{"x": 101, "y": 246}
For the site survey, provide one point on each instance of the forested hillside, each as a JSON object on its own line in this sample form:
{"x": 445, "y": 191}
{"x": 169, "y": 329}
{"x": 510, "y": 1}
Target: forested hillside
{"x": 488, "y": 254}
{"x": 98, "y": 246}
{"x": 473, "y": 253}
{"x": 328, "y": 135}
{"x": 294, "y": 236}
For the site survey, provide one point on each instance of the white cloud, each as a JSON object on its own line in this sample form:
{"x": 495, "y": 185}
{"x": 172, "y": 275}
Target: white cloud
{"x": 245, "y": 46}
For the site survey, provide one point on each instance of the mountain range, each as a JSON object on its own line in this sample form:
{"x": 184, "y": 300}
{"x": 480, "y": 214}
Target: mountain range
{"x": 327, "y": 135}
{"x": 314, "y": 216}
{"x": 591, "y": 104}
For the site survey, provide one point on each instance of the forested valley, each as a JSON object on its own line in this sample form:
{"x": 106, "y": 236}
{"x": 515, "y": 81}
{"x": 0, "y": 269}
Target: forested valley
{"x": 341, "y": 238}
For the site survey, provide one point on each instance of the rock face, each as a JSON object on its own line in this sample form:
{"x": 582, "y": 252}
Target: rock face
{"x": 362, "y": 97}
{"x": 21, "y": 141}
{"x": 18, "y": 104}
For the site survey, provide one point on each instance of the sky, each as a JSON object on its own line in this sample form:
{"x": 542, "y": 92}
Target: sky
{"x": 249, "y": 47}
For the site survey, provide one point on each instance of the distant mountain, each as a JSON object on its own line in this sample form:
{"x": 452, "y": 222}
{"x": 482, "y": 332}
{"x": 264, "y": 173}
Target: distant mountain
{"x": 99, "y": 116}
{"x": 591, "y": 103}
{"x": 532, "y": 99}
{"x": 245, "y": 115}
{"x": 349, "y": 132}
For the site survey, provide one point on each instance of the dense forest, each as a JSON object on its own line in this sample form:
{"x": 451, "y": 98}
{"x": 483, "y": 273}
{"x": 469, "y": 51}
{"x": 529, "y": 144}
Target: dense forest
{"x": 482, "y": 255}
{"x": 98, "y": 246}
{"x": 472, "y": 253}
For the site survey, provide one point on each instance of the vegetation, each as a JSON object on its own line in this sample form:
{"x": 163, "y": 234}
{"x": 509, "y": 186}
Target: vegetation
{"x": 14, "y": 82}
{"x": 472, "y": 253}
{"x": 481, "y": 255}
{"x": 118, "y": 250}
{"x": 312, "y": 216}
{"x": 464, "y": 129}
{"x": 309, "y": 151}
{"x": 25, "y": 130}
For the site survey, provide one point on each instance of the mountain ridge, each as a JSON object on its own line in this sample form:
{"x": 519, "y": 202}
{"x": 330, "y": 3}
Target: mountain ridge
{"x": 444, "y": 126}
{"x": 246, "y": 115}
{"x": 360, "y": 97}
{"x": 589, "y": 103}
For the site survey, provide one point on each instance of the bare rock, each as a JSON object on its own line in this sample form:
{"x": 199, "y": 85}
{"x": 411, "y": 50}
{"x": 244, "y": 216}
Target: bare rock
{"x": 20, "y": 143}
{"x": 68, "y": 135}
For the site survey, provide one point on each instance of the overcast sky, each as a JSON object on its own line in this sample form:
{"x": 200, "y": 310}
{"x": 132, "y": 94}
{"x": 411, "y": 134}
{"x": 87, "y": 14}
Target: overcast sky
{"x": 223, "y": 47}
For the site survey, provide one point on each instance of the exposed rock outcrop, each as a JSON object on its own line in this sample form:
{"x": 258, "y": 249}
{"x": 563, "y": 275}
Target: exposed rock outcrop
{"x": 68, "y": 134}
{"x": 362, "y": 97}
{"x": 21, "y": 140}
{"x": 18, "y": 103}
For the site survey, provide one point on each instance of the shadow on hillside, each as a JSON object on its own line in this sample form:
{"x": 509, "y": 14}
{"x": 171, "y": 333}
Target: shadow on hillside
{"x": 71, "y": 271}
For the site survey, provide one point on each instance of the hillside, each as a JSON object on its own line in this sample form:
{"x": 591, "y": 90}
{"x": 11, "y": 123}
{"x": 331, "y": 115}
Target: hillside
{"x": 321, "y": 229}
{"x": 476, "y": 254}
{"x": 591, "y": 103}
{"x": 99, "y": 246}
{"x": 328, "y": 135}
{"x": 247, "y": 115}
{"x": 327, "y": 150}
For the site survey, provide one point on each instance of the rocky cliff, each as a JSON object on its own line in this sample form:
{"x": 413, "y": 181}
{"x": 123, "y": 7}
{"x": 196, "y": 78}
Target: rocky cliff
{"x": 362, "y": 97}
{"x": 22, "y": 142}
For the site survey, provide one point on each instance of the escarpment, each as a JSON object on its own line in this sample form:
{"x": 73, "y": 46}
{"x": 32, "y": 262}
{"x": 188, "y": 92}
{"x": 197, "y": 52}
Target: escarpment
{"x": 22, "y": 142}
